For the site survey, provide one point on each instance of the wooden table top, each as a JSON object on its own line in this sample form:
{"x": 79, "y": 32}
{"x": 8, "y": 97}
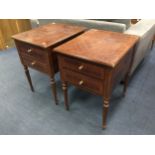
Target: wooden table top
{"x": 48, "y": 35}
{"x": 103, "y": 47}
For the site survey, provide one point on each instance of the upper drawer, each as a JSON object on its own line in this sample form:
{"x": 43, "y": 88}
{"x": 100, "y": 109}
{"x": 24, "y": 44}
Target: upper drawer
{"x": 82, "y": 67}
{"x": 33, "y": 51}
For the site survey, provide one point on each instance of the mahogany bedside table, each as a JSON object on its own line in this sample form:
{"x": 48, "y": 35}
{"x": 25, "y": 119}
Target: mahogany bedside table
{"x": 35, "y": 48}
{"x": 96, "y": 61}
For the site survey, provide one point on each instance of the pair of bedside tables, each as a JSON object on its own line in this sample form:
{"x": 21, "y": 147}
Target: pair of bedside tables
{"x": 93, "y": 60}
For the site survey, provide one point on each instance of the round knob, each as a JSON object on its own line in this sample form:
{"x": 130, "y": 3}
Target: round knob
{"x": 29, "y": 50}
{"x": 81, "y": 82}
{"x": 33, "y": 63}
{"x": 44, "y": 43}
{"x": 80, "y": 67}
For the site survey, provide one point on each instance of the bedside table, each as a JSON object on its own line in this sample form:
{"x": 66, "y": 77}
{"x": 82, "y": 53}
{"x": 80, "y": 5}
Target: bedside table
{"x": 96, "y": 61}
{"x": 35, "y": 48}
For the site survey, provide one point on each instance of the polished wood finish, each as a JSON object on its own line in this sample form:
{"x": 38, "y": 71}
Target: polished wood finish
{"x": 33, "y": 51}
{"x": 49, "y": 35}
{"x": 84, "y": 81}
{"x": 35, "y": 48}
{"x": 103, "y": 47}
{"x": 83, "y": 67}
{"x": 96, "y": 61}
{"x": 9, "y": 27}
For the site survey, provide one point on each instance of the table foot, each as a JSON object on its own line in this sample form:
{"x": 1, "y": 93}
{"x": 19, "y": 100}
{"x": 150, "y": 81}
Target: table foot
{"x": 105, "y": 112}
{"x": 104, "y": 127}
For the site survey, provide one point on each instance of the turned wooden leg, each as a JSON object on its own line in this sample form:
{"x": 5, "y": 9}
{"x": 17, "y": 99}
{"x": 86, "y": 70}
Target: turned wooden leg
{"x": 105, "y": 112}
{"x": 54, "y": 92}
{"x": 64, "y": 87}
{"x": 28, "y": 77}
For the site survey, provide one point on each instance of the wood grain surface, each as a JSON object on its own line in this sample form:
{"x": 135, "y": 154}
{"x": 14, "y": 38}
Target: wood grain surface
{"x": 49, "y": 35}
{"x": 104, "y": 47}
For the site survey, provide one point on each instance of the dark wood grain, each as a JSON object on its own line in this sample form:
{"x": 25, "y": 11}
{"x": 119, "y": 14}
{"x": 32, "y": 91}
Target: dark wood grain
{"x": 35, "y": 49}
{"x": 106, "y": 58}
{"x": 85, "y": 82}
{"x": 82, "y": 66}
{"x": 49, "y": 35}
{"x": 102, "y": 47}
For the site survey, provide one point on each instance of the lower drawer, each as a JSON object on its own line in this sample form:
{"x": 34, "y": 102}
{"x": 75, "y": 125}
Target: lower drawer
{"x": 91, "y": 84}
{"x": 36, "y": 65}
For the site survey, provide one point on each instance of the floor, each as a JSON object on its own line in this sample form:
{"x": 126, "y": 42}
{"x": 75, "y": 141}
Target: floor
{"x": 24, "y": 112}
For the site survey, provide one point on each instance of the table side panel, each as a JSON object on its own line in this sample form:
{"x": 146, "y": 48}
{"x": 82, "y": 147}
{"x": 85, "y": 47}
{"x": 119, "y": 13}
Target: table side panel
{"x": 122, "y": 68}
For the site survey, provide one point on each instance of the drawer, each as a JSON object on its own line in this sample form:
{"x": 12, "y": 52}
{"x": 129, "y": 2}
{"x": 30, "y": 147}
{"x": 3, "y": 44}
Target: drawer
{"x": 33, "y": 63}
{"x": 33, "y": 51}
{"x": 91, "y": 84}
{"x": 82, "y": 67}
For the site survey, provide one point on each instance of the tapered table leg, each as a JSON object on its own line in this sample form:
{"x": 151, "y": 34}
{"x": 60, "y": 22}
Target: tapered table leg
{"x": 28, "y": 77}
{"x": 64, "y": 87}
{"x": 53, "y": 86}
{"x": 105, "y": 112}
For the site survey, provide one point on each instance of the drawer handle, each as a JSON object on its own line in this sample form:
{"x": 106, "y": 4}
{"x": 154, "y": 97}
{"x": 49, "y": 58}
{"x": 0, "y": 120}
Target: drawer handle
{"x": 81, "y": 82}
{"x": 33, "y": 63}
{"x": 29, "y": 50}
{"x": 80, "y": 67}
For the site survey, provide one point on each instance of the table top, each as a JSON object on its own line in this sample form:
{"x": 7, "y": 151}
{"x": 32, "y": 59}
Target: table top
{"x": 103, "y": 47}
{"x": 49, "y": 35}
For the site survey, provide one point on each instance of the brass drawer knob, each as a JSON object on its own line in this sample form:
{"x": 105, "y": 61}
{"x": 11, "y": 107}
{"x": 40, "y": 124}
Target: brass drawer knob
{"x": 33, "y": 63}
{"x": 81, "y": 82}
{"x": 29, "y": 50}
{"x": 80, "y": 67}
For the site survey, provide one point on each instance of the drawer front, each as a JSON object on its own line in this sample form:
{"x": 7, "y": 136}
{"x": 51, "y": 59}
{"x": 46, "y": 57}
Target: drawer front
{"x": 33, "y": 51}
{"x": 33, "y": 63}
{"x": 82, "y": 67}
{"x": 91, "y": 84}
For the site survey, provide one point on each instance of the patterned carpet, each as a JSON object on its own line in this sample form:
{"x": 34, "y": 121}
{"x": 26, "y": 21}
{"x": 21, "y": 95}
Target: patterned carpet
{"x": 24, "y": 112}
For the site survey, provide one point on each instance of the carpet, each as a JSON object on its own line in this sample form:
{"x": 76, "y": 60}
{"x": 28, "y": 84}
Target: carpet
{"x": 27, "y": 113}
